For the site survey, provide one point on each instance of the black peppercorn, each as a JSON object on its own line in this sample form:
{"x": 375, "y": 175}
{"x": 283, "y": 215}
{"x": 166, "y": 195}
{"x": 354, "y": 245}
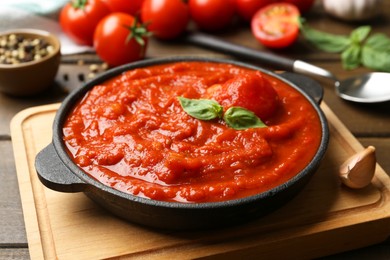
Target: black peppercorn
{"x": 15, "y": 49}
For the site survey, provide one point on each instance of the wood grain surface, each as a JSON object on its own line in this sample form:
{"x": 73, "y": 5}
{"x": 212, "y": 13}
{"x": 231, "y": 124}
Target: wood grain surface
{"x": 370, "y": 124}
{"x": 325, "y": 218}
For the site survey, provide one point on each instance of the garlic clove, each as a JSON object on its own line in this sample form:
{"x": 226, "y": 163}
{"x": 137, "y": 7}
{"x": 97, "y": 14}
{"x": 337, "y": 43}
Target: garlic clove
{"x": 352, "y": 10}
{"x": 358, "y": 170}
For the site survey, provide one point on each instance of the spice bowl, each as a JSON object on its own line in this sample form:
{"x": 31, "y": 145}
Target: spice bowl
{"x": 29, "y": 61}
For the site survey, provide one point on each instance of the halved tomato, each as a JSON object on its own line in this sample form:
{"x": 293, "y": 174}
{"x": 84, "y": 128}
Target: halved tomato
{"x": 276, "y": 25}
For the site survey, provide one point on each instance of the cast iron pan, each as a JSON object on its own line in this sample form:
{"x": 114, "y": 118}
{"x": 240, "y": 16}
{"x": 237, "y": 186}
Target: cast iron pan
{"x": 57, "y": 171}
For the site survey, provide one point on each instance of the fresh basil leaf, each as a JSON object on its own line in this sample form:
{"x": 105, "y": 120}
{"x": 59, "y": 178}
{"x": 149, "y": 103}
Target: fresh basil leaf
{"x": 376, "y": 52}
{"x": 375, "y": 59}
{"x": 203, "y": 109}
{"x": 379, "y": 42}
{"x": 240, "y": 118}
{"x": 351, "y": 57}
{"x": 325, "y": 41}
{"x": 358, "y": 35}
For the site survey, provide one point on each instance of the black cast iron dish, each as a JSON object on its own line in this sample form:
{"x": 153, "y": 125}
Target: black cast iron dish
{"x": 58, "y": 172}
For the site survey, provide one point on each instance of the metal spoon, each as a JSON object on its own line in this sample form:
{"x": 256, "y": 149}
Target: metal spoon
{"x": 367, "y": 88}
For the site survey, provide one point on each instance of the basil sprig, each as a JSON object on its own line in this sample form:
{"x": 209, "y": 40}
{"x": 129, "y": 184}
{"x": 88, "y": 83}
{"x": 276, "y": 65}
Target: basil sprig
{"x": 358, "y": 48}
{"x": 235, "y": 117}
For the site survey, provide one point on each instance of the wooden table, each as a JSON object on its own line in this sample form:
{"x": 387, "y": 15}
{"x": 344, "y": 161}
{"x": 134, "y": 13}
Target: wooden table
{"x": 369, "y": 123}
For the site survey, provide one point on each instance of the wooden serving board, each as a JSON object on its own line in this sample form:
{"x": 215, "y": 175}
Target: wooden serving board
{"x": 325, "y": 218}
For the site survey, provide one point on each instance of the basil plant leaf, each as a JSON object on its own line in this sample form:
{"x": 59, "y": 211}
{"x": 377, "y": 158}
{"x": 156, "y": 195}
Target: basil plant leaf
{"x": 203, "y": 109}
{"x": 376, "y": 52}
{"x": 351, "y": 57}
{"x": 378, "y": 42}
{"x": 325, "y": 41}
{"x": 360, "y": 34}
{"x": 376, "y": 60}
{"x": 240, "y": 119}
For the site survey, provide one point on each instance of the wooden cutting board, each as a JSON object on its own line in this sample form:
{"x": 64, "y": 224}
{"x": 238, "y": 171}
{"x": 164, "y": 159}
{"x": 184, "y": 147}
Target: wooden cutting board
{"x": 325, "y": 218}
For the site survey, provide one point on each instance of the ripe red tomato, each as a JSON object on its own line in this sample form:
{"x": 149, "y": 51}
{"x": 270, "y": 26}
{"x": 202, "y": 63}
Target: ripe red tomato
{"x": 166, "y": 19}
{"x": 247, "y": 8}
{"x": 212, "y": 15}
{"x": 78, "y": 19}
{"x": 250, "y": 90}
{"x": 276, "y": 25}
{"x": 119, "y": 39}
{"x": 303, "y": 5}
{"x": 132, "y": 7}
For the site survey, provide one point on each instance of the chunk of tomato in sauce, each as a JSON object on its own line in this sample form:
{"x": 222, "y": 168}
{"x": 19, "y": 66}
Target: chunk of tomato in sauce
{"x": 250, "y": 90}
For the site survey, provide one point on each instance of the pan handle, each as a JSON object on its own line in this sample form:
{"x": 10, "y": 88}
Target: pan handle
{"x": 54, "y": 174}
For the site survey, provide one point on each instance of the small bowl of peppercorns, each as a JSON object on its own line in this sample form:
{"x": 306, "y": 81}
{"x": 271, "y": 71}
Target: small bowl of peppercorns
{"x": 29, "y": 61}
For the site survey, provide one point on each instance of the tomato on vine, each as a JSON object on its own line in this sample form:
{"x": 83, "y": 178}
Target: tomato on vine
{"x": 212, "y": 15}
{"x": 303, "y": 5}
{"x": 247, "y": 8}
{"x": 132, "y": 7}
{"x": 119, "y": 38}
{"x": 79, "y": 18}
{"x": 166, "y": 19}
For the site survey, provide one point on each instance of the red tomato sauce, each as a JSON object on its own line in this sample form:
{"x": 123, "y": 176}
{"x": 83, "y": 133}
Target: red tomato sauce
{"x": 131, "y": 134}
